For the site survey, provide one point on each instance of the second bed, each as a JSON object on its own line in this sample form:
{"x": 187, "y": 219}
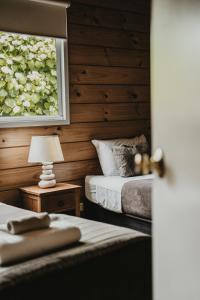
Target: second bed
{"x": 118, "y": 200}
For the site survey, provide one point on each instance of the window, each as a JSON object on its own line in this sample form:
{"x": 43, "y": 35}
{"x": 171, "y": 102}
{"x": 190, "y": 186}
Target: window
{"x": 32, "y": 81}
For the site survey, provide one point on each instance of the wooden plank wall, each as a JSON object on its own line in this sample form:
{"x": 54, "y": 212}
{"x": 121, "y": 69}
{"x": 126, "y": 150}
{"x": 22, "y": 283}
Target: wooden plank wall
{"x": 109, "y": 92}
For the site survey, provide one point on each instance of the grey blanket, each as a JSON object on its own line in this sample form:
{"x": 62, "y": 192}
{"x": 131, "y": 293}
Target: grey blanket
{"x": 98, "y": 239}
{"x": 136, "y": 198}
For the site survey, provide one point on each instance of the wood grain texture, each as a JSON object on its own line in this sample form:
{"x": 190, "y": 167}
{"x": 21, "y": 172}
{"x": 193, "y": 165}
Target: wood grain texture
{"x": 18, "y": 157}
{"x": 86, "y": 55}
{"x": 139, "y": 6}
{"x": 109, "y": 112}
{"x": 107, "y": 75}
{"x": 98, "y": 36}
{"x": 17, "y": 137}
{"x": 102, "y": 17}
{"x": 12, "y": 178}
{"x": 13, "y": 197}
{"x": 109, "y": 93}
{"x": 109, "y": 45}
{"x": 36, "y": 190}
{"x": 127, "y": 111}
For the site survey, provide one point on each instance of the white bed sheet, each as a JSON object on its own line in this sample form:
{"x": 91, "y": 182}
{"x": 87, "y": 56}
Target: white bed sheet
{"x": 106, "y": 190}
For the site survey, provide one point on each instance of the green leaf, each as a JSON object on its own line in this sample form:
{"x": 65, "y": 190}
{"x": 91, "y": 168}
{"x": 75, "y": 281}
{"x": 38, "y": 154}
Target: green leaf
{"x": 10, "y": 102}
{"x": 2, "y": 83}
{"x": 3, "y": 93}
{"x": 28, "y": 75}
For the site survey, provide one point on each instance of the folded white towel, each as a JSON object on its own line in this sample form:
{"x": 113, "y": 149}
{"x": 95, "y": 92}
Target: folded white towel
{"x": 20, "y": 225}
{"x": 14, "y": 248}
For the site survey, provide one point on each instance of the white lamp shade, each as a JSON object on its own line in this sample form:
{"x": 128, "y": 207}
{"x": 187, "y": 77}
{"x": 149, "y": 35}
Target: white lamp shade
{"x": 45, "y": 149}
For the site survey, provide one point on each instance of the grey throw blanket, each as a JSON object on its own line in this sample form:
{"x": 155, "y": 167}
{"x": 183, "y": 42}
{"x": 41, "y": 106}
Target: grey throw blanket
{"x": 97, "y": 239}
{"x": 136, "y": 198}
{"x": 87, "y": 270}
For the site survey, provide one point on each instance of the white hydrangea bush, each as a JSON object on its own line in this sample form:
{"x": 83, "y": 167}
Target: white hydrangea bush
{"x": 28, "y": 76}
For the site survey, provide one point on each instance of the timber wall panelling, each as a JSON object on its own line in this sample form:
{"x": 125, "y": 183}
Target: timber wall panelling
{"x": 109, "y": 92}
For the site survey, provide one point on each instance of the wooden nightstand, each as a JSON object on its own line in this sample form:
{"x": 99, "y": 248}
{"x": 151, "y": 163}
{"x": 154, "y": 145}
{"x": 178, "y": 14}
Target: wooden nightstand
{"x": 61, "y": 198}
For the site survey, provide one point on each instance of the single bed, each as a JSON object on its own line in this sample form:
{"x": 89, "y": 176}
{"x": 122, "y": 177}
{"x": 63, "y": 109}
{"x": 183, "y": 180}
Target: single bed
{"x": 109, "y": 262}
{"x": 119, "y": 200}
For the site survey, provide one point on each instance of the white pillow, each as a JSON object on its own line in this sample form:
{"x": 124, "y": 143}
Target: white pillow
{"x": 105, "y": 154}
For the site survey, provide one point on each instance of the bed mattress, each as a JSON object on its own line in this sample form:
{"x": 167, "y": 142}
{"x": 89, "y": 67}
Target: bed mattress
{"x": 106, "y": 191}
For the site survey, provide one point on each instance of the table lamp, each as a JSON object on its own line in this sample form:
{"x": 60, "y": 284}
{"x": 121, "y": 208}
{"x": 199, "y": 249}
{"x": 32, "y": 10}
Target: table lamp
{"x": 46, "y": 150}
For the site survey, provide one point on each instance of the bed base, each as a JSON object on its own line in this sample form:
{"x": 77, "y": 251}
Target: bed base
{"x": 95, "y": 212}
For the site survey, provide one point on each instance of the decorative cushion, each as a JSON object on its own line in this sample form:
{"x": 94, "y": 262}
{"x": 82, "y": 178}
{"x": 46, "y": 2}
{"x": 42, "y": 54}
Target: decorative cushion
{"x": 106, "y": 156}
{"x": 124, "y": 158}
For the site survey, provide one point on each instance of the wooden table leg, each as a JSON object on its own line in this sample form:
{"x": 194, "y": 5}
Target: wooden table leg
{"x": 77, "y": 201}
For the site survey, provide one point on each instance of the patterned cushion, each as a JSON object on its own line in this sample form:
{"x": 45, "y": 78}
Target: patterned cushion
{"x": 124, "y": 158}
{"x": 105, "y": 153}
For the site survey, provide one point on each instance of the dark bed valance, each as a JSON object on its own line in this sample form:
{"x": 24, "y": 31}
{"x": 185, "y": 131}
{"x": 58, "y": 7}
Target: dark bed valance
{"x": 37, "y": 17}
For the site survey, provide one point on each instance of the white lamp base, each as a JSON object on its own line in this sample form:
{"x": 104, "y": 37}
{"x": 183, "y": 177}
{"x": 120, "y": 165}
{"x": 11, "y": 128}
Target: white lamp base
{"x": 47, "y": 177}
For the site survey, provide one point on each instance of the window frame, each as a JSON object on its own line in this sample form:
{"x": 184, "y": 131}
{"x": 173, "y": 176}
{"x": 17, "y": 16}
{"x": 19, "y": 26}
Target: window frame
{"x": 63, "y": 117}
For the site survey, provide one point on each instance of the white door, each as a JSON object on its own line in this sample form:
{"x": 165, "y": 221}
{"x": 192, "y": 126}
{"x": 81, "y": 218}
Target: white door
{"x": 175, "y": 84}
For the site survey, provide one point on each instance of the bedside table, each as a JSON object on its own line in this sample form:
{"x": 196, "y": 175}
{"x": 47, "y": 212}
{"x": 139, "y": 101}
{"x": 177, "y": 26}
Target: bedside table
{"x": 61, "y": 198}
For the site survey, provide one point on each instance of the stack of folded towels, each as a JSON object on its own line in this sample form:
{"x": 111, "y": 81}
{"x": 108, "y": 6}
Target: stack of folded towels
{"x": 23, "y": 238}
